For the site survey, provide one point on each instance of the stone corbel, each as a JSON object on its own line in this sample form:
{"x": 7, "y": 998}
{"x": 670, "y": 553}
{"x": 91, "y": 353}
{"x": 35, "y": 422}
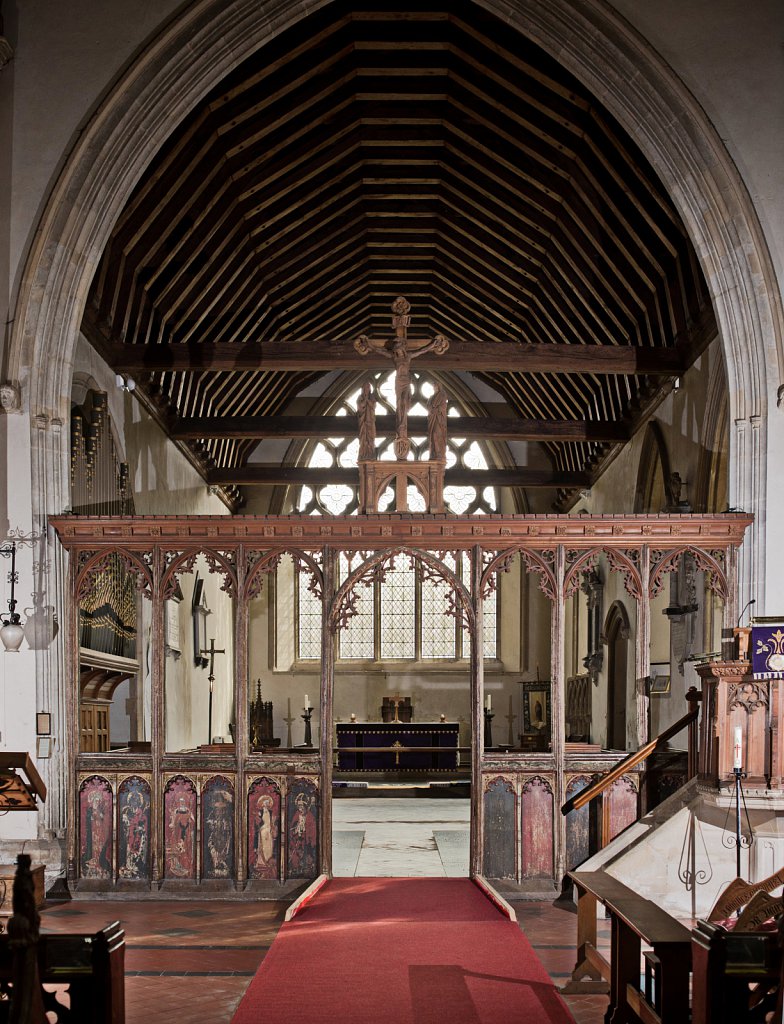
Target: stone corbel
{"x": 10, "y": 394}
{"x": 6, "y": 53}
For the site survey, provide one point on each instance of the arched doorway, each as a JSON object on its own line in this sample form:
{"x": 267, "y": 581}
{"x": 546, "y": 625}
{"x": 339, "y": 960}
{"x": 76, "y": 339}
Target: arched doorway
{"x": 401, "y": 751}
{"x": 617, "y": 632}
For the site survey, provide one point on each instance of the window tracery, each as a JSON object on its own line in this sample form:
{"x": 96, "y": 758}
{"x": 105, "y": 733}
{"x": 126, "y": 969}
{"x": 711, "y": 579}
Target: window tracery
{"x": 418, "y": 628}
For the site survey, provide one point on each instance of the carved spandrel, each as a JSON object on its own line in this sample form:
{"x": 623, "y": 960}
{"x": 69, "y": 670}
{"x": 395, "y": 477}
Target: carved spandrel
{"x": 748, "y": 695}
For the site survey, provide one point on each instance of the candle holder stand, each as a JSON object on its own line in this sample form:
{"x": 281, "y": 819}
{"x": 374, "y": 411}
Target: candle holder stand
{"x": 308, "y": 736}
{"x": 739, "y": 839}
{"x": 489, "y": 716}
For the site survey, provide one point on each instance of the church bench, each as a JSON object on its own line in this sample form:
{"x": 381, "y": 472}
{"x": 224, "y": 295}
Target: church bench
{"x": 737, "y": 974}
{"x": 92, "y": 966}
{"x": 633, "y": 920}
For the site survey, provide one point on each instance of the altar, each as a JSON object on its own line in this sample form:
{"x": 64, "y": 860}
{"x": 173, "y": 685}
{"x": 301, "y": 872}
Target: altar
{"x": 397, "y": 746}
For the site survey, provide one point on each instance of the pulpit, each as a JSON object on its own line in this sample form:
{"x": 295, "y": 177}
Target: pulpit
{"x": 397, "y": 746}
{"x": 732, "y": 697}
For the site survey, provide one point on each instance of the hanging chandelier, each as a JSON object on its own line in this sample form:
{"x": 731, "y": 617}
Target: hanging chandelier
{"x": 12, "y": 630}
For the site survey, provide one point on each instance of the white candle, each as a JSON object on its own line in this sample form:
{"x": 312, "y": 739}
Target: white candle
{"x": 738, "y": 748}
{"x": 489, "y": 702}
{"x": 307, "y": 702}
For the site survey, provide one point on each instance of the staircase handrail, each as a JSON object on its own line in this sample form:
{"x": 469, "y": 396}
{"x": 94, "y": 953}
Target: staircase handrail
{"x": 626, "y": 764}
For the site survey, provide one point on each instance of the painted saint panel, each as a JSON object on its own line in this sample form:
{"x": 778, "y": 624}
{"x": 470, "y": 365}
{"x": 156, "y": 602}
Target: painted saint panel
{"x": 622, "y": 800}
{"x": 578, "y": 826}
{"x": 95, "y": 828}
{"x": 133, "y": 829}
{"x": 302, "y": 809}
{"x": 179, "y": 828}
{"x": 537, "y": 825}
{"x": 499, "y": 840}
{"x": 217, "y": 829}
{"x": 264, "y": 829}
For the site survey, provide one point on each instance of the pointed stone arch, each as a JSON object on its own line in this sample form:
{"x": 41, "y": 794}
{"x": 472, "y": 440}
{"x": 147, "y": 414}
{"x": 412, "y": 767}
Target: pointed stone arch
{"x": 188, "y": 58}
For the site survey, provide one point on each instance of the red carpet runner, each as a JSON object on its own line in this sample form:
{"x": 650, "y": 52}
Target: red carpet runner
{"x": 401, "y": 951}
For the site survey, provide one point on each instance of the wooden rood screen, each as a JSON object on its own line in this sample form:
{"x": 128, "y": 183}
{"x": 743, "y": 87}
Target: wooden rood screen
{"x": 227, "y": 815}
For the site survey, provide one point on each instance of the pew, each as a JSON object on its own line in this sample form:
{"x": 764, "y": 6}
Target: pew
{"x": 664, "y": 996}
{"x": 91, "y": 966}
{"x": 737, "y": 974}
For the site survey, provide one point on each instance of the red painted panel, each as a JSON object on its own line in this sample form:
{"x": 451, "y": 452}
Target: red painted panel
{"x": 179, "y": 828}
{"x": 95, "y": 828}
{"x": 537, "y": 825}
{"x": 621, "y": 806}
{"x": 264, "y": 829}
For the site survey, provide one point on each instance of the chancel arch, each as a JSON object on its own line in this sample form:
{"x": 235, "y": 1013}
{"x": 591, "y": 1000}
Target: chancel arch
{"x": 94, "y": 200}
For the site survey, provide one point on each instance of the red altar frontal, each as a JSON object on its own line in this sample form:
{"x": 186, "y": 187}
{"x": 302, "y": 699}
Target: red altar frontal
{"x": 224, "y": 816}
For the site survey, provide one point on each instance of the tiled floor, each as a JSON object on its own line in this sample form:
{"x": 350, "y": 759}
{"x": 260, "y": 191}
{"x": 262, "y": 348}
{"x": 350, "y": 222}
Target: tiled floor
{"x": 400, "y": 837}
{"x": 191, "y": 962}
{"x": 552, "y": 932}
{"x": 185, "y": 961}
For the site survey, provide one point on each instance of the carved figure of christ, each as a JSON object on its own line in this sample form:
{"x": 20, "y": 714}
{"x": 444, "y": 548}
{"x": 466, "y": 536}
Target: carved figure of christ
{"x": 402, "y": 351}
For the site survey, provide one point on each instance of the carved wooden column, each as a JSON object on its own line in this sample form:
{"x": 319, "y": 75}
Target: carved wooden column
{"x": 477, "y": 716}
{"x": 329, "y": 569}
{"x": 557, "y": 697}
{"x": 642, "y": 649}
{"x": 241, "y": 730}
{"x": 158, "y": 716}
{"x": 71, "y": 722}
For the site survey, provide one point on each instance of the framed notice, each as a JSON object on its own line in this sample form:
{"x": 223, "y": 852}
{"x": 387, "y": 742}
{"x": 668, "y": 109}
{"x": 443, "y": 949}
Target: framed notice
{"x": 43, "y": 723}
{"x": 660, "y": 679}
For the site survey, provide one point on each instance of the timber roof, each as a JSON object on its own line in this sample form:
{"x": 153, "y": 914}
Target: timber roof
{"x": 432, "y": 153}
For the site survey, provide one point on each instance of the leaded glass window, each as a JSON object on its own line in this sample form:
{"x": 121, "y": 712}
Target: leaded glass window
{"x": 398, "y": 611}
{"x": 403, "y": 617}
{"x": 439, "y": 639}
{"x": 357, "y": 638}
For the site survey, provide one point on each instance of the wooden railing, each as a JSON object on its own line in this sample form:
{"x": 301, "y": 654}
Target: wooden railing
{"x": 631, "y": 761}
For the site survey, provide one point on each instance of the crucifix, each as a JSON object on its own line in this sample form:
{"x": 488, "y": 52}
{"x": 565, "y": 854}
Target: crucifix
{"x": 212, "y": 651}
{"x": 397, "y": 700}
{"x": 288, "y": 719}
{"x": 401, "y": 351}
{"x": 510, "y": 719}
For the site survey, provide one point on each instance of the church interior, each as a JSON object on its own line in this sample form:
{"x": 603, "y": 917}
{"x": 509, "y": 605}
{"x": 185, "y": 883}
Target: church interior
{"x": 390, "y": 408}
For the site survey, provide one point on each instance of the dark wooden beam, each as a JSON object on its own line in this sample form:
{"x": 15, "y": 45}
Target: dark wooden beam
{"x": 476, "y": 427}
{"x": 461, "y": 355}
{"x": 260, "y": 475}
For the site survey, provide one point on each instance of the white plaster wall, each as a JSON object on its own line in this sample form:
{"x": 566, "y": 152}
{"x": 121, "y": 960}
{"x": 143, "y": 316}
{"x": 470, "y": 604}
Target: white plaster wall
{"x": 187, "y": 686}
{"x": 65, "y": 58}
{"x": 163, "y": 481}
{"x": 18, "y": 698}
{"x": 729, "y": 54}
